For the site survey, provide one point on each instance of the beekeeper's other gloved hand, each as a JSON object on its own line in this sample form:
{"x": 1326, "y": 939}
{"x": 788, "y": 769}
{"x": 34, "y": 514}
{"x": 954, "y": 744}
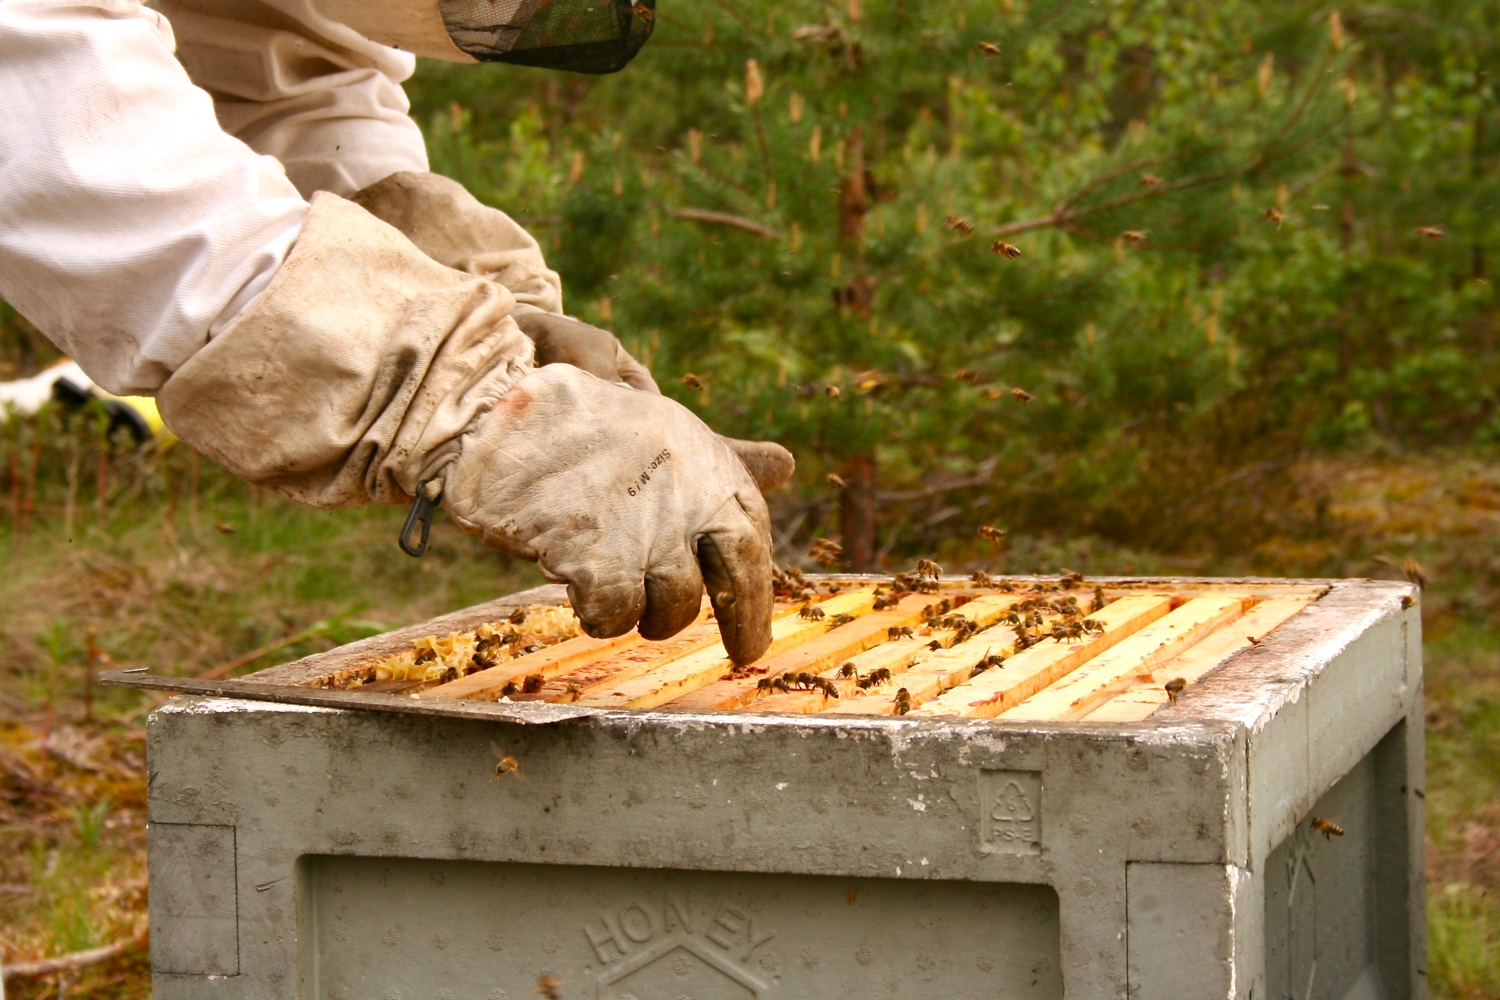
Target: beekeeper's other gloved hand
{"x": 367, "y": 368}
{"x": 454, "y": 228}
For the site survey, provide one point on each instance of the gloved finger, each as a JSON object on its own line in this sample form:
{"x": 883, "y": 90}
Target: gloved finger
{"x": 768, "y": 463}
{"x": 674, "y": 594}
{"x": 566, "y": 341}
{"x": 633, "y": 373}
{"x": 736, "y": 565}
{"x": 607, "y": 603}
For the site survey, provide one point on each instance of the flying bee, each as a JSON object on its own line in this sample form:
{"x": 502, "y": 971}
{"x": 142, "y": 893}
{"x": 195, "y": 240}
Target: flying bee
{"x": 692, "y": 381}
{"x": 1273, "y": 214}
{"x": 1432, "y": 232}
{"x": 1149, "y": 180}
{"x": 1005, "y": 249}
{"x": 531, "y": 683}
{"x": 989, "y": 48}
{"x": 811, "y": 613}
{"x": 1021, "y": 395}
{"x": 899, "y": 632}
{"x": 644, "y": 14}
{"x": 550, "y": 986}
{"x": 929, "y": 569}
{"x": 902, "y": 701}
{"x": 990, "y": 533}
{"x": 838, "y": 620}
{"x": 832, "y": 391}
{"x": 506, "y": 763}
{"x": 959, "y": 224}
{"x": 1327, "y": 827}
{"x": 1133, "y": 237}
{"x": 849, "y": 670}
{"x": 1320, "y": 208}
{"x": 1413, "y": 571}
{"x": 1174, "y": 688}
{"x": 966, "y": 375}
{"x": 836, "y": 481}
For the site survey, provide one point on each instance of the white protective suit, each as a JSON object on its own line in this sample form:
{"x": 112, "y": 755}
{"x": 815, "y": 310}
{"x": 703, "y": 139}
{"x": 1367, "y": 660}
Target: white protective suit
{"x": 134, "y": 229}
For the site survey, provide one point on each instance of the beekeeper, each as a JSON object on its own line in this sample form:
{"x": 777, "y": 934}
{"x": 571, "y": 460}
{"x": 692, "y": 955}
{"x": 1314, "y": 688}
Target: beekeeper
{"x": 224, "y": 204}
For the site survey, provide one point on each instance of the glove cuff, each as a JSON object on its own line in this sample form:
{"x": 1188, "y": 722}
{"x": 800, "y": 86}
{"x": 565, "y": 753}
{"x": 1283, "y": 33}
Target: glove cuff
{"x": 355, "y": 372}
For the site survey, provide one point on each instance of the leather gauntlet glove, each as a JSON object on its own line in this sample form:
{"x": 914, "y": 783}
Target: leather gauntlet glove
{"x": 367, "y": 367}
{"x": 453, "y": 227}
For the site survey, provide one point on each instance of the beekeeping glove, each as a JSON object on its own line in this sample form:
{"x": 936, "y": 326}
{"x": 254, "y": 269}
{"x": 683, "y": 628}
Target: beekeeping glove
{"x": 625, "y": 495}
{"x": 367, "y": 368}
{"x": 453, "y": 227}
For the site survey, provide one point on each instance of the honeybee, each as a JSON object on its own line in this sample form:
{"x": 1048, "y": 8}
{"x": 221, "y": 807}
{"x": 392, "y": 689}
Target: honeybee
{"x": 506, "y": 763}
{"x": 979, "y": 576}
{"x": 425, "y": 656}
{"x": 899, "y": 632}
{"x": 509, "y": 689}
{"x": 1021, "y": 395}
{"x": 849, "y": 670}
{"x": 532, "y": 683}
{"x": 836, "y": 481}
{"x": 517, "y": 617}
{"x": 902, "y": 701}
{"x": 1274, "y": 215}
{"x": 812, "y": 613}
{"x": 875, "y": 678}
{"x": 1327, "y": 827}
{"x": 1149, "y": 180}
{"x": 993, "y": 393}
{"x": 1005, "y": 249}
{"x": 1406, "y": 601}
{"x": 550, "y": 986}
{"x": 990, "y": 533}
{"x": 959, "y": 224}
{"x": 929, "y": 569}
{"x": 989, "y": 48}
{"x": 1133, "y": 237}
{"x": 828, "y": 688}
{"x": 989, "y": 660}
{"x": 1432, "y": 232}
{"x": 574, "y": 692}
{"x": 1413, "y": 571}
{"x": 644, "y": 14}
{"x": 966, "y": 375}
{"x": 1174, "y": 688}
{"x": 692, "y": 381}
{"x": 831, "y": 391}
{"x": 838, "y": 620}
{"x": 887, "y": 601}
{"x": 448, "y": 675}
{"x": 1320, "y": 208}
{"x": 1098, "y": 604}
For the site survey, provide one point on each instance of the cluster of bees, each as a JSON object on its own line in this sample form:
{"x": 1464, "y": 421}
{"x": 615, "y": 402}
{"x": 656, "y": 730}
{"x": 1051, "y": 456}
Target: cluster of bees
{"x": 799, "y": 681}
{"x": 440, "y": 659}
{"x": 1071, "y": 623}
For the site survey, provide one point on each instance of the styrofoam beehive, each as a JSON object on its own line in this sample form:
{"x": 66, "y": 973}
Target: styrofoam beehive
{"x": 1053, "y": 825}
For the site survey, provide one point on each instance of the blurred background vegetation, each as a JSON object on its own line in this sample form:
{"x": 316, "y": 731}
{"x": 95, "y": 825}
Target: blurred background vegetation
{"x": 1251, "y": 327}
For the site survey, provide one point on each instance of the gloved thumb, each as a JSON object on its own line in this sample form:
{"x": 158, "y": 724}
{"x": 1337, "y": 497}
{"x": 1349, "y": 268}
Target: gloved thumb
{"x": 768, "y": 463}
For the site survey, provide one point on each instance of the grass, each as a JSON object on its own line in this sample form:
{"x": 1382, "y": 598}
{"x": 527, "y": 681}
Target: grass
{"x": 190, "y": 570}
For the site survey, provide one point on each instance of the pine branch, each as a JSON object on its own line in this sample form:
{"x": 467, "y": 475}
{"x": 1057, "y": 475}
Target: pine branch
{"x": 725, "y": 219}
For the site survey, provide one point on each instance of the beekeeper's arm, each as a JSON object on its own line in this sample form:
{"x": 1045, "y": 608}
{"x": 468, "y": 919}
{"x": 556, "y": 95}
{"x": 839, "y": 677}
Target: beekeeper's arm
{"x": 315, "y": 351}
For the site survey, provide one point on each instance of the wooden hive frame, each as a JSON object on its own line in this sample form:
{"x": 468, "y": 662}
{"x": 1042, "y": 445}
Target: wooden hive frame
{"x": 842, "y": 656}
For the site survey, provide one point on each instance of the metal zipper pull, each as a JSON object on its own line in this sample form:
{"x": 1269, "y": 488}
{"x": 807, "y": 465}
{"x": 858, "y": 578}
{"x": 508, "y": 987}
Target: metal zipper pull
{"x": 421, "y": 513}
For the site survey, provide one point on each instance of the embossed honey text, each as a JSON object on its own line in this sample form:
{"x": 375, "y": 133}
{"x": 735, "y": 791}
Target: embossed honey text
{"x": 640, "y": 933}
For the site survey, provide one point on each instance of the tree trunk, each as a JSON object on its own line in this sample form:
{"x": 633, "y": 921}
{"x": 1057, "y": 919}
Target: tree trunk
{"x": 858, "y": 501}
